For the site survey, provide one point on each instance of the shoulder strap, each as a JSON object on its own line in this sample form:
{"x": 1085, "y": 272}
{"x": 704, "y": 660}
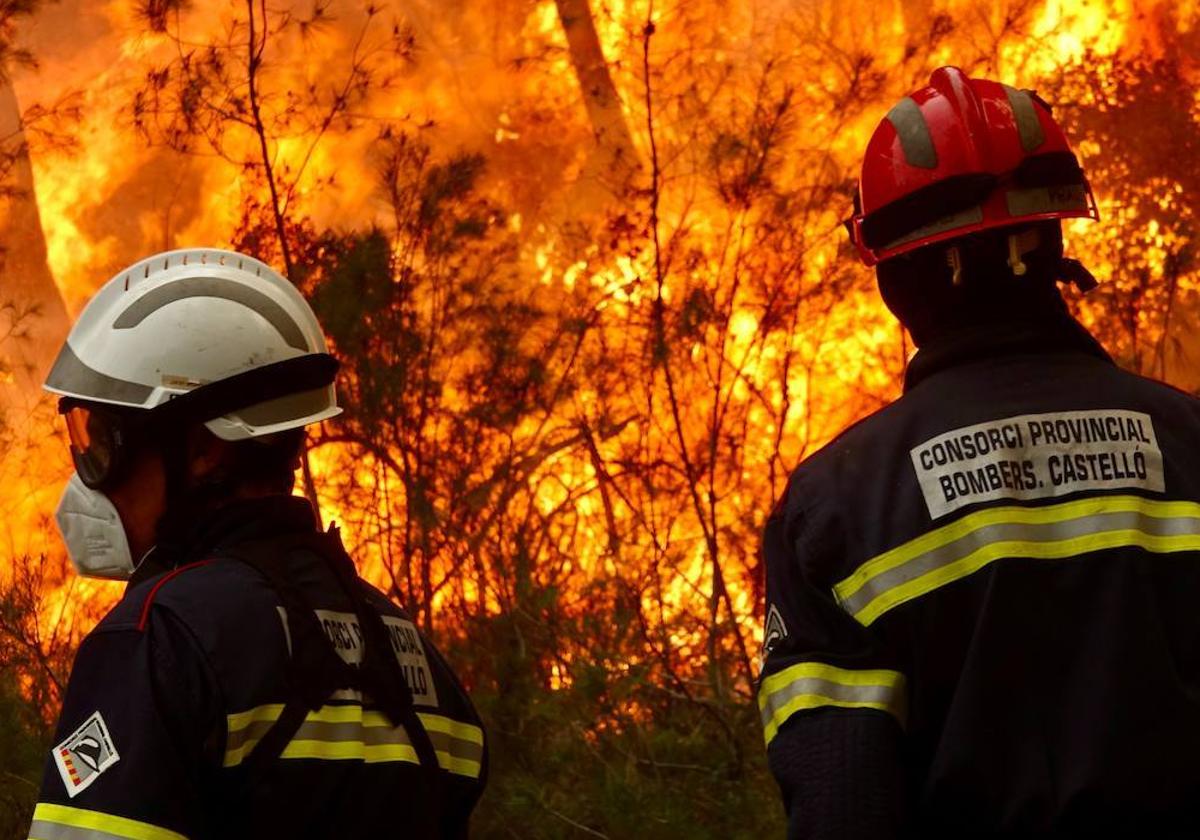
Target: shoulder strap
{"x": 380, "y": 670}
{"x": 316, "y": 671}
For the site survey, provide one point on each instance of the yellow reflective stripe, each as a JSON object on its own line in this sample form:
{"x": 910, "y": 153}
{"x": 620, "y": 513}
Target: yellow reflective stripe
{"x": 1057, "y": 550}
{"x": 49, "y": 821}
{"x": 459, "y": 766}
{"x": 238, "y": 754}
{"x": 1049, "y": 532}
{"x": 454, "y": 728}
{"x": 326, "y": 714}
{"x": 462, "y": 742}
{"x": 240, "y": 720}
{"x": 270, "y": 712}
{"x": 1011, "y": 513}
{"x": 819, "y": 670}
{"x": 813, "y": 685}
{"x": 342, "y": 714}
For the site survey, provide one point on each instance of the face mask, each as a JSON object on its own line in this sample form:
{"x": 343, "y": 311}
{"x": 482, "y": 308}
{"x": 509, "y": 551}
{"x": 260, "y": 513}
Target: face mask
{"x": 92, "y": 530}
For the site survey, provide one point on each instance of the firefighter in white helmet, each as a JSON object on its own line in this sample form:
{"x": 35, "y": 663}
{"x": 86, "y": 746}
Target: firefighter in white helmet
{"x": 248, "y": 683}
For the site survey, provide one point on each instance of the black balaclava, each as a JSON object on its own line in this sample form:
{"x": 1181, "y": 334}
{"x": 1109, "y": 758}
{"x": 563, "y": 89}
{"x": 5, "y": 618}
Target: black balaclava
{"x": 919, "y": 287}
{"x": 188, "y": 502}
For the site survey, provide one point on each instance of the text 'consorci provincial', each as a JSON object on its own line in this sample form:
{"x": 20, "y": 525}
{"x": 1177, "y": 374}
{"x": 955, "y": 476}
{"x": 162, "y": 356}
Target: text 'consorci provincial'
{"x": 1038, "y": 455}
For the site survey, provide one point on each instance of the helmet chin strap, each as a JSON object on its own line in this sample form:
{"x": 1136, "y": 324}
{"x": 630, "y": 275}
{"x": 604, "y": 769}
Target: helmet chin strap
{"x": 1075, "y": 273}
{"x": 1070, "y": 271}
{"x": 186, "y": 500}
{"x": 170, "y": 527}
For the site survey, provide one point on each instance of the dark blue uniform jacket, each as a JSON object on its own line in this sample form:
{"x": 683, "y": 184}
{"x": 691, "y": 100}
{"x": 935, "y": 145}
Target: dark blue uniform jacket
{"x": 175, "y": 687}
{"x": 983, "y": 613}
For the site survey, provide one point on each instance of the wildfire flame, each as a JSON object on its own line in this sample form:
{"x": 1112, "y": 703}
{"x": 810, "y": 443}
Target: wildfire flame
{"x": 717, "y": 112}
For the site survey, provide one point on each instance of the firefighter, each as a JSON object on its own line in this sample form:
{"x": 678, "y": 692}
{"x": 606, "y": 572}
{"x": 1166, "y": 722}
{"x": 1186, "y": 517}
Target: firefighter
{"x": 248, "y": 684}
{"x": 982, "y": 600}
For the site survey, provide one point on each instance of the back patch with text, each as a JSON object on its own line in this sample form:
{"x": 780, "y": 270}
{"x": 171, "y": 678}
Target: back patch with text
{"x": 1035, "y": 456}
{"x": 347, "y": 639}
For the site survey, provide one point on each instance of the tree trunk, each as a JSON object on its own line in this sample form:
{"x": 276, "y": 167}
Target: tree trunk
{"x": 33, "y": 326}
{"x": 614, "y": 159}
{"x": 33, "y": 319}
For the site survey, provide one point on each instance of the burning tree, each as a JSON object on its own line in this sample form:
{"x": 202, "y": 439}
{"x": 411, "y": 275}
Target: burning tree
{"x": 1150, "y": 293}
{"x": 583, "y": 265}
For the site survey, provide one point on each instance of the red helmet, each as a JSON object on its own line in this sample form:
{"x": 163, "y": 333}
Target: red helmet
{"x": 960, "y": 156}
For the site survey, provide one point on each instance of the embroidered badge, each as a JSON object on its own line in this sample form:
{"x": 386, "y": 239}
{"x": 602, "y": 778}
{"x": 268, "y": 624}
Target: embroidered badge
{"x": 775, "y": 631}
{"x": 87, "y": 753}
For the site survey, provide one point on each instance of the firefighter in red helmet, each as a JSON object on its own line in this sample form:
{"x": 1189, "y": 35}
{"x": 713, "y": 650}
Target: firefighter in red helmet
{"x": 981, "y": 600}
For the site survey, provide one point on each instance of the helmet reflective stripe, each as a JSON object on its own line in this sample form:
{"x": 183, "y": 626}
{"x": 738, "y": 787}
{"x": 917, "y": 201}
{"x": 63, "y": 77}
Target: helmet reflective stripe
{"x": 1029, "y": 127}
{"x": 213, "y": 287}
{"x": 178, "y": 323}
{"x": 1068, "y": 197}
{"x": 970, "y": 216}
{"x": 71, "y": 376}
{"x": 913, "y": 131}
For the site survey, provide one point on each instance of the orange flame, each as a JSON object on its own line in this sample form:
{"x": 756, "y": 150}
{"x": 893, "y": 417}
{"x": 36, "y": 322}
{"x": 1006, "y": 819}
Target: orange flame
{"x": 506, "y": 85}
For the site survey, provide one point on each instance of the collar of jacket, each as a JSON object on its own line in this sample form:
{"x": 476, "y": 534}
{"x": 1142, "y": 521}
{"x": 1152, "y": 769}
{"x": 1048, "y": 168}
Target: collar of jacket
{"x": 229, "y": 525}
{"x": 1059, "y": 335}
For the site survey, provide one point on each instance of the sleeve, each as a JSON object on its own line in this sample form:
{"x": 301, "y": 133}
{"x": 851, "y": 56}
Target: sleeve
{"x": 831, "y": 698}
{"x": 468, "y": 774}
{"x": 132, "y": 738}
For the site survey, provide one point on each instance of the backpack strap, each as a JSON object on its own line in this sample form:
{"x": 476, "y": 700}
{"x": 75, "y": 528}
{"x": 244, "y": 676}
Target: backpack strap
{"x": 380, "y": 671}
{"x": 315, "y": 670}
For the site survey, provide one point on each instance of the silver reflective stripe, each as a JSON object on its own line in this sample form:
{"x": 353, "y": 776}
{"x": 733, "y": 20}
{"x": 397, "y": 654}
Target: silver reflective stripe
{"x": 963, "y": 218}
{"x": 1048, "y": 532}
{"x": 1062, "y": 198}
{"x": 247, "y": 737}
{"x": 64, "y": 822}
{"x": 43, "y": 830}
{"x": 1025, "y": 115}
{"x": 457, "y": 747}
{"x": 216, "y": 287}
{"x": 808, "y": 686}
{"x": 337, "y": 733}
{"x": 913, "y": 131}
{"x": 71, "y": 376}
{"x": 349, "y": 732}
{"x": 867, "y": 695}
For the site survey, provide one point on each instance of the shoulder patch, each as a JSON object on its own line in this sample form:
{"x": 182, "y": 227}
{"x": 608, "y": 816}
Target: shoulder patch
{"x": 85, "y": 754}
{"x": 775, "y": 630}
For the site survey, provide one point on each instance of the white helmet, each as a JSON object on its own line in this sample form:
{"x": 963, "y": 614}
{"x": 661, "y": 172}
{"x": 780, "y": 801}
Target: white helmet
{"x": 206, "y": 335}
